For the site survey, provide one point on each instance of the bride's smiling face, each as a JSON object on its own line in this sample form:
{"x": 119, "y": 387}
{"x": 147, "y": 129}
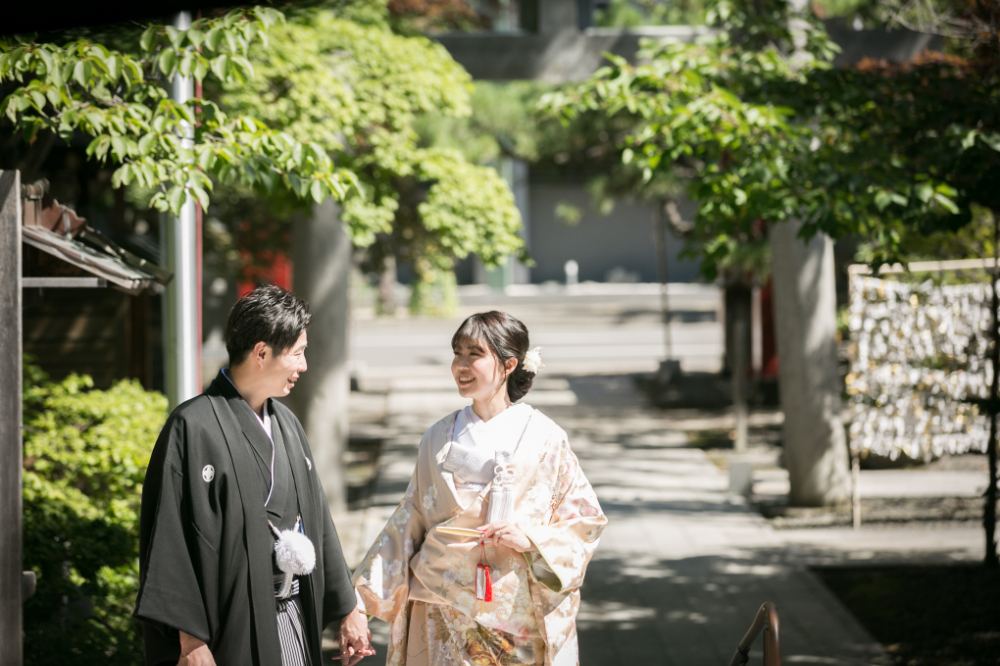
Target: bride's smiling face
{"x": 477, "y": 372}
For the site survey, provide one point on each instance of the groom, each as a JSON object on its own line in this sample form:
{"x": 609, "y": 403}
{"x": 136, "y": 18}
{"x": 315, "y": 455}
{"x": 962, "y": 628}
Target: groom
{"x": 231, "y": 470}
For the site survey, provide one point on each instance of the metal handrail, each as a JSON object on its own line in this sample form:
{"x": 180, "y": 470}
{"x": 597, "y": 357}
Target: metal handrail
{"x": 766, "y": 620}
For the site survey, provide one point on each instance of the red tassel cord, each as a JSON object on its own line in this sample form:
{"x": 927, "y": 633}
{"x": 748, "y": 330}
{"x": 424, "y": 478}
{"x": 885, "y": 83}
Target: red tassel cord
{"x": 484, "y": 584}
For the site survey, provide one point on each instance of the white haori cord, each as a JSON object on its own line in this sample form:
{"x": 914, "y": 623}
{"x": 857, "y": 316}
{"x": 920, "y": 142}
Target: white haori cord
{"x": 294, "y": 554}
{"x": 501, "y": 506}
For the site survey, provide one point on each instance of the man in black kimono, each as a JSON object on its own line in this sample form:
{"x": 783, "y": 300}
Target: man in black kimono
{"x": 228, "y": 466}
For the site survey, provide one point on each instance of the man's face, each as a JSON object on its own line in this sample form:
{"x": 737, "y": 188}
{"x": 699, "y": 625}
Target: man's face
{"x": 281, "y": 371}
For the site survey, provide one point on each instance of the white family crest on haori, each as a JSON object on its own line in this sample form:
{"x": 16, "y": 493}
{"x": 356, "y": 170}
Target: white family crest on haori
{"x": 533, "y": 360}
{"x": 294, "y": 554}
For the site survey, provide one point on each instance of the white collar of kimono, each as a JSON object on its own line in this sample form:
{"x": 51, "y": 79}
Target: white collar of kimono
{"x": 477, "y": 445}
{"x": 470, "y": 429}
{"x": 265, "y": 423}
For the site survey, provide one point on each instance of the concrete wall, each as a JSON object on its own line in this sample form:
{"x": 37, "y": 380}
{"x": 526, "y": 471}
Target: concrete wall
{"x": 599, "y": 243}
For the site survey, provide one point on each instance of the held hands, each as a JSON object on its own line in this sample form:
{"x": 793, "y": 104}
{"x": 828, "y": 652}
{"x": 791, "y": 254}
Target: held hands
{"x": 194, "y": 652}
{"x": 506, "y": 533}
{"x": 355, "y": 639}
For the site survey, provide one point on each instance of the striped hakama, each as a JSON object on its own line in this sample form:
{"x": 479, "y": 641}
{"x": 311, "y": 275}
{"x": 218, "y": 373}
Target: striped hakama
{"x": 291, "y": 630}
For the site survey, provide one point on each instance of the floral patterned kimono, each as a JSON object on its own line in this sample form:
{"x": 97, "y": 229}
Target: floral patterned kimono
{"x": 423, "y": 581}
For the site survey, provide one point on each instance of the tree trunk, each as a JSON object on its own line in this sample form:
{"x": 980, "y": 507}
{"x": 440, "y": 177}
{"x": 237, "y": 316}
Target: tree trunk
{"x": 805, "y": 317}
{"x": 321, "y": 252}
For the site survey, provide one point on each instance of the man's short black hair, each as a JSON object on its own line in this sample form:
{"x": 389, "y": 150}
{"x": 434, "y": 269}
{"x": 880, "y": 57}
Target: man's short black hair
{"x": 271, "y": 315}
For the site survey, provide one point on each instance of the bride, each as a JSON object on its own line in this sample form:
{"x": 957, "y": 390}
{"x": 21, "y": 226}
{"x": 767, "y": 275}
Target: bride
{"x": 482, "y": 561}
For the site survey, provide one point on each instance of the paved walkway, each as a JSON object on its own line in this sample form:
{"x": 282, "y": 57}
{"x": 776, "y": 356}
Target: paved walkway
{"x": 683, "y": 565}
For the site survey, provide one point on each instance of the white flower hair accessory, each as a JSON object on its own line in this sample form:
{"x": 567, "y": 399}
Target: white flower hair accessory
{"x": 533, "y": 360}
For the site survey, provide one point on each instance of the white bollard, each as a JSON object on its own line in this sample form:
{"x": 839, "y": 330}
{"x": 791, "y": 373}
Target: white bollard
{"x": 740, "y": 476}
{"x": 572, "y": 273}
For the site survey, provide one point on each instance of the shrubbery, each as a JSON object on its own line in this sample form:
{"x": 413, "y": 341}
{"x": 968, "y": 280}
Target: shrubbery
{"x": 85, "y": 456}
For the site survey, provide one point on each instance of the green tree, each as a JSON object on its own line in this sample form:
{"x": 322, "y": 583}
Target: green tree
{"x": 119, "y": 98}
{"x": 85, "y": 456}
{"x": 360, "y": 91}
{"x": 764, "y": 130}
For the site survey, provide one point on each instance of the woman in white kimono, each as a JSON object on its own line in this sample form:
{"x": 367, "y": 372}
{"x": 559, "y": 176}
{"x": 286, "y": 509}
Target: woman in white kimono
{"x": 483, "y": 560}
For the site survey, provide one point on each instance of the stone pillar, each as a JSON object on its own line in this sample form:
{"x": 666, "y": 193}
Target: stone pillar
{"x": 805, "y": 317}
{"x": 321, "y": 253}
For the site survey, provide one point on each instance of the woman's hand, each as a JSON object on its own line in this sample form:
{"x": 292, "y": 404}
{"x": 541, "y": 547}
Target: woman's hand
{"x": 506, "y": 533}
{"x": 355, "y": 639}
{"x": 194, "y": 652}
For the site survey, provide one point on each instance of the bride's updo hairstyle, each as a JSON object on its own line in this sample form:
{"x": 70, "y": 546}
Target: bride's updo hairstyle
{"x": 506, "y": 337}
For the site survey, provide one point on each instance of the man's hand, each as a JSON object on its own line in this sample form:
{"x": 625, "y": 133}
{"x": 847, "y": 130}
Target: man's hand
{"x": 194, "y": 652}
{"x": 355, "y": 639}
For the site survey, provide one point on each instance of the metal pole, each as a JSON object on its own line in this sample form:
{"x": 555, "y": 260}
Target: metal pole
{"x": 180, "y": 302}
{"x": 660, "y": 241}
{"x": 10, "y": 419}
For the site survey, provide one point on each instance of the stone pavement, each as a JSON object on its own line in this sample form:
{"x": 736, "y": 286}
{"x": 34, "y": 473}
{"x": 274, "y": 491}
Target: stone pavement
{"x": 683, "y": 565}
{"x": 593, "y": 328}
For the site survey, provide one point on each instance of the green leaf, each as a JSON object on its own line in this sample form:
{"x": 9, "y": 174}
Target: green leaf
{"x": 202, "y": 197}
{"x": 992, "y": 140}
{"x": 38, "y": 98}
{"x": 175, "y": 36}
{"x": 80, "y": 73}
{"x": 882, "y": 199}
{"x": 946, "y": 203}
{"x": 55, "y": 98}
{"x": 187, "y": 62}
{"x": 200, "y": 69}
{"x": 214, "y": 38}
{"x": 118, "y": 148}
{"x": 195, "y": 37}
{"x": 220, "y": 66}
{"x": 148, "y": 39}
{"x": 114, "y": 67}
{"x": 145, "y": 143}
{"x": 118, "y": 178}
{"x": 318, "y": 191}
{"x": 167, "y": 61}
{"x": 206, "y": 160}
{"x": 175, "y": 198}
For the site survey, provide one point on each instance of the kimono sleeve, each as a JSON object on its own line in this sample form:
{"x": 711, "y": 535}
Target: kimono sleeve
{"x": 383, "y": 578}
{"x": 170, "y": 596}
{"x": 564, "y": 546}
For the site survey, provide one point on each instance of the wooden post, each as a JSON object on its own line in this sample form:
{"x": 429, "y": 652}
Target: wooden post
{"x": 10, "y": 419}
{"x": 660, "y": 243}
{"x": 990, "y": 510}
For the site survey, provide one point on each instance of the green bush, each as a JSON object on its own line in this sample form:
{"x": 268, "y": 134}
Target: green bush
{"x": 85, "y": 456}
